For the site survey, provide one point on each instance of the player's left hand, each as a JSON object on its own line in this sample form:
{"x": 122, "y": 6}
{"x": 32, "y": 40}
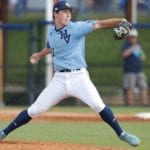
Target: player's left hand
{"x": 121, "y": 31}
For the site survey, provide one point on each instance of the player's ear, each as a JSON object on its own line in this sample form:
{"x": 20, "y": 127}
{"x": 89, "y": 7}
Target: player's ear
{"x": 55, "y": 14}
{"x": 53, "y": 17}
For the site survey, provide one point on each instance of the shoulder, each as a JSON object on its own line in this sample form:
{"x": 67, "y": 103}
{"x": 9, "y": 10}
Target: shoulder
{"x": 86, "y": 22}
{"x": 73, "y": 24}
{"x": 50, "y": 31}
{"x": 82, "y": 23}
{"x": 81, "y": 28}
{"x": 51, "y": 28}
{"x": 126, "y": 45}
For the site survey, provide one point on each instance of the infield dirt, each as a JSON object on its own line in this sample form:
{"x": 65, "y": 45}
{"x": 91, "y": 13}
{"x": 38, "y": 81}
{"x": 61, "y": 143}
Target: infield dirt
{"x": 17, "y": 145}
{"x": 7, "y": 115}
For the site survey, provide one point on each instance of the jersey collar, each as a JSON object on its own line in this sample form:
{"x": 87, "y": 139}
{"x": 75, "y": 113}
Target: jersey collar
{"x": 57, "y": 30}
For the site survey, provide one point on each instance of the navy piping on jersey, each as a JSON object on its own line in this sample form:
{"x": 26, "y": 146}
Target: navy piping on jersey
{"x": 58, "y": 29}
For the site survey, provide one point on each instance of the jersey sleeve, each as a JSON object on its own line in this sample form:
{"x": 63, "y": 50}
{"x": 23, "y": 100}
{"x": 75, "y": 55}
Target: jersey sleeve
{"x": 85, "y": 27}
{"x": 47, "y": 41}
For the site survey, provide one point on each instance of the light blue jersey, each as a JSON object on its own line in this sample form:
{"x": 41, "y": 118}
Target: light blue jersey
{"x": 68, "y": 45}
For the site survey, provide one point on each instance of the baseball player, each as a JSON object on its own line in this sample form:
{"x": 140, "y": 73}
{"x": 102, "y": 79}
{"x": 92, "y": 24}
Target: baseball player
{"x": 66, "y": 44}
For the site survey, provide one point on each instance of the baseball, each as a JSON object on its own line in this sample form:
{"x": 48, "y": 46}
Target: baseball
{"x": 33, "y": 61}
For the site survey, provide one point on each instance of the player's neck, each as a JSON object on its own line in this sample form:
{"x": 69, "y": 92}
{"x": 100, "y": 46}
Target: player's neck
{"x": 59, "y": 25}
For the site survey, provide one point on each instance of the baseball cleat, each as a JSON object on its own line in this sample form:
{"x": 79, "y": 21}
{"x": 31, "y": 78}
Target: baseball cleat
{"x": 2, "y": 135}
{"x": 130, "y": 139}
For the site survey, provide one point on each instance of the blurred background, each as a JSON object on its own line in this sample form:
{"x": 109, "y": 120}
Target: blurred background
{"x": 23, "y": 30}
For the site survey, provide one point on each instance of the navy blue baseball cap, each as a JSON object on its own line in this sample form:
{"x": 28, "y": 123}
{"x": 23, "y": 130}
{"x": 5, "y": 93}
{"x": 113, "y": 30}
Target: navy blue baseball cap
{"x": 61, "y": 5}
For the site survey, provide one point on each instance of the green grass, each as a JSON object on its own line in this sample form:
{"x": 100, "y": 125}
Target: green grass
{"x": 86, "y": 109}
{"x": 84, "y": 133}
{"x": 117, "y": 110}
{"x": 92, "y": 133}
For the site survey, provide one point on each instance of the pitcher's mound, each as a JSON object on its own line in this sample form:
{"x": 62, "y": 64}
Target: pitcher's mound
{"x": 16, "y": 145}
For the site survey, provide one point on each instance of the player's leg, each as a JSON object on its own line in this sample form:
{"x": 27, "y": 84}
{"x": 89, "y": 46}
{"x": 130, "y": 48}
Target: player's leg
{"x": 142, "y": 84}
{"x": 86, "y": 91}
{"x": 130, "y": 96}
{"x": 50, "y": 96}
{"x": 144, "y": 96}
{"x": 129, "y": 83}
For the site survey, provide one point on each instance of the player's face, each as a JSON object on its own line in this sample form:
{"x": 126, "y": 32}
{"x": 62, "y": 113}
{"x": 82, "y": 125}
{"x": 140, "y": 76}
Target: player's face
{"x": 63, "y": 17}
{"x": 133, "y": 39}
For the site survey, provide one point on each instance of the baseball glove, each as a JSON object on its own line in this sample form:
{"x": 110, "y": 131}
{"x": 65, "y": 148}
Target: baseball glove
{"x": 121, "y": 31}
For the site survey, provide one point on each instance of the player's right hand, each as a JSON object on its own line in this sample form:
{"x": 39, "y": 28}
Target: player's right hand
{"x": 34, "y": 59}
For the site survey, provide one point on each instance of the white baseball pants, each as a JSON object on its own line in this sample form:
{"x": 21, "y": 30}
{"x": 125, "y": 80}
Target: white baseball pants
{"x": 67, "y": 84}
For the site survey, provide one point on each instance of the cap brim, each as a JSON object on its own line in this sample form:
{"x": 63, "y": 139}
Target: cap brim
{"x": 72, "y": 9}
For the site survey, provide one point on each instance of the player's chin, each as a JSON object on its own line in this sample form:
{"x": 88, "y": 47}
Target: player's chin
{"x": 66, "y": 22}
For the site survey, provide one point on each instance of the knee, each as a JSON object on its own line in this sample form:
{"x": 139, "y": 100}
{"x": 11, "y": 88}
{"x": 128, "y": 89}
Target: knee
{"x": 98, "y": 108}
{"x": 36, "y": 110}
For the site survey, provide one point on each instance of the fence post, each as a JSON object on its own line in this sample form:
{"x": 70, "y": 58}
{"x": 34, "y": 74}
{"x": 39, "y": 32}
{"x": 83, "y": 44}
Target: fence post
{"x": 1, "y": 68}
{"x": 31, "y": 77}
{"x": 3, "y": 17}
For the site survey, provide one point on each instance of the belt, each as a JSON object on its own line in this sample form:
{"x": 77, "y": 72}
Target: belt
{"x": 68, "y": 70}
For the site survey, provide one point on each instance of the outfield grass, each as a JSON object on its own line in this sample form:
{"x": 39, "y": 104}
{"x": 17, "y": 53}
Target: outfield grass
{"x": 84, "y": 133}
{"x": 117, "y": 110}
{"x": 93, "y": 133}
{"x": 86, "y": 109}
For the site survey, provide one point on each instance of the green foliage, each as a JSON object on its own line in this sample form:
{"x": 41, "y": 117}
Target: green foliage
{"x": 17, "y": 56}
{"x": 104, "y": 59}
{"x": 103, "y": 52}
{"x": 84, "y": 133}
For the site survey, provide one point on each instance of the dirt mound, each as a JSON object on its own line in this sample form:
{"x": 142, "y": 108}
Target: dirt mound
{"x": 16, "y": 145}
{"x": 9, "y": 114}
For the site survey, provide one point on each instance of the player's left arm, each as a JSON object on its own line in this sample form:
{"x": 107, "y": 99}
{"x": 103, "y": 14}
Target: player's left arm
{"x": 108, "y": 23}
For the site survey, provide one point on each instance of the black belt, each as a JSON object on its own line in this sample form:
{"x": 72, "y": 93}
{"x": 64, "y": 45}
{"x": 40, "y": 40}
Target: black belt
{"x": 68, "y": 70}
